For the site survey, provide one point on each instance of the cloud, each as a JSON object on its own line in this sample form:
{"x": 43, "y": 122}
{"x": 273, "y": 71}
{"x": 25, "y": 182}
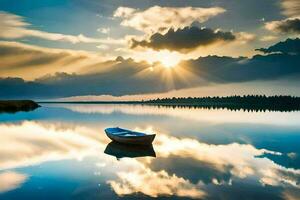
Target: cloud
{"x": 159, "y": 19}
{"x": 268, "y": 38}
{"x": 126, "y": 76}
{"x": 154, "y": 184}
{"x": 291, "y": 8}
{"x": 290, "y": 46}
{"x": 239, "y": 160}
{"x": 291, "y": 194}
{"x": 30, "y": 62}
{"x": 129, "y": 77}
{"x": 14, "y": 26}
{"x": 44, "y": 142}
{"x": 244, "y": 37}
{"x": 103, "y": 46}
{"x": 289, "y": 25}
{"x": 259, "y": 87}
{"x": 185, "y": 39}
{"x": 229, "y": 70}
{"x": 229, "y": 163}
{"x": 104, "y": 30}
{"x": 56, "y": 141}
{"x": 11, "y": 181}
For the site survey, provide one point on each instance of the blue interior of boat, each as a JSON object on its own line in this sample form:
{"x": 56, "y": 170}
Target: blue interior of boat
{"x": 123, "y": 132}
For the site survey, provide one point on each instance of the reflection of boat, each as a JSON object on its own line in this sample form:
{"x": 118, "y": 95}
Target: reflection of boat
{"x": 129, "y": 137}
{"x": 122, "y": 150}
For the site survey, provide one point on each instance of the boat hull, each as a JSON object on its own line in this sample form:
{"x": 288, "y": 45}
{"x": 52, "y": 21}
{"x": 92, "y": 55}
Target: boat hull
{"x": 137, "y": 140}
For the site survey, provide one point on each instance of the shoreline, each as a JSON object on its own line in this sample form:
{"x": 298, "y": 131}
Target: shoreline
{"x": 247, "y": 103}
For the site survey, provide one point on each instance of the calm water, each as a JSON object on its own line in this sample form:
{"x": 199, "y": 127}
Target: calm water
{"x": 57, "y": 152}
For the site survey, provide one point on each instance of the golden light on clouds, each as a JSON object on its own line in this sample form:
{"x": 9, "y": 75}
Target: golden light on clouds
{"x": 165, "y": 57}
{"x": 159, "y": 18}
{"x": 30, "y": 61}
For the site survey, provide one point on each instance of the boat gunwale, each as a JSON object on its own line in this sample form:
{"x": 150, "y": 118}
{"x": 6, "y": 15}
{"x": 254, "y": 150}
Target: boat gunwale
{"x": 138, "y": 135}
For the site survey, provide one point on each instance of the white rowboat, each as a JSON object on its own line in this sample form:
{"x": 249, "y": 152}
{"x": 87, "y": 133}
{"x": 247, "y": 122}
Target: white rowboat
{"x": 129, "y": 137}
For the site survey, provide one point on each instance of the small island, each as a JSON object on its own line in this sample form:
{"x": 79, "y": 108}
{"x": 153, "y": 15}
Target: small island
{"x": 12, "y": 106}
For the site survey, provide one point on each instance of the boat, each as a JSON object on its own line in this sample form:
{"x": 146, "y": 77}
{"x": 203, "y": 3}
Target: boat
{"x": 120, "y": 150}
{"x": 125, "y": 136}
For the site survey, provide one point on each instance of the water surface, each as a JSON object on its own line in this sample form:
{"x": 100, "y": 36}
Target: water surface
{"x": 60, "y": 151}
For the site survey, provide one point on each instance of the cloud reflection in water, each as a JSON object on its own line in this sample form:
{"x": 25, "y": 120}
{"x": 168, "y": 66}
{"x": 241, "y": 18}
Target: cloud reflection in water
{"x": 11, "y": 180}
{"x": 241, "y": 161}
{"x": 32, "y": 143}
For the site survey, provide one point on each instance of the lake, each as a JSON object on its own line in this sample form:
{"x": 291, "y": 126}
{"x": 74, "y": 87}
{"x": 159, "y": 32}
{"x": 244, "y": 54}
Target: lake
{"x": 60, "y": 151}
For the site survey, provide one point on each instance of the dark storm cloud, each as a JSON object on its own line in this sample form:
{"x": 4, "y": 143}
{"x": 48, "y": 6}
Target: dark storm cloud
{"x": 291, "y": 46}
{"x": 129, "y": 77}
{"x": 290, "y": 25}
{"x": 185, "y": 39}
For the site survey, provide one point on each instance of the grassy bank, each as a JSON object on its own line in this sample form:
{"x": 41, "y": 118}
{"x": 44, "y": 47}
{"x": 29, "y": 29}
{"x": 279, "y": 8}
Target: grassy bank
{"x": 13, "y": 106}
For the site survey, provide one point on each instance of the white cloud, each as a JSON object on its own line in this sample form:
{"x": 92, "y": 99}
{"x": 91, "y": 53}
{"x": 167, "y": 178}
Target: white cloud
{"x": 159, "y": 19}
{"x": 11, "y": 180}
{"x": 14, "y": 26}
{"x": 154, "y": 183}
{"x": 55, "y": 141}
{"x": 103, "y": 46}
{"x": 240, "y": 158}
{"x": 241, "y": 161}
{"x": 104, "y": 30}
{"x": 124, "y": 12}
{"x": 44, "y": 142}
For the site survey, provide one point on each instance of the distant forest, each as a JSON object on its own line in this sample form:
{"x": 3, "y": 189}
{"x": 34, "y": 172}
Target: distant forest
{"x": 247, "y": 102}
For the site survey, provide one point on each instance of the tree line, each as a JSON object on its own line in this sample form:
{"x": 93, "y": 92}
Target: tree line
{"x": 246, "y": 102}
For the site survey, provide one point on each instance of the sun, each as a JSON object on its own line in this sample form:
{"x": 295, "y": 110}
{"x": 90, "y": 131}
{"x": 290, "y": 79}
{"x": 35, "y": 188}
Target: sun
{"x": 168, "y": 59}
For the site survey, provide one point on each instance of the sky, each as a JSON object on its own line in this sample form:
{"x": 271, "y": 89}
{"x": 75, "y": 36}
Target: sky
{"x": 142, "y": 49}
